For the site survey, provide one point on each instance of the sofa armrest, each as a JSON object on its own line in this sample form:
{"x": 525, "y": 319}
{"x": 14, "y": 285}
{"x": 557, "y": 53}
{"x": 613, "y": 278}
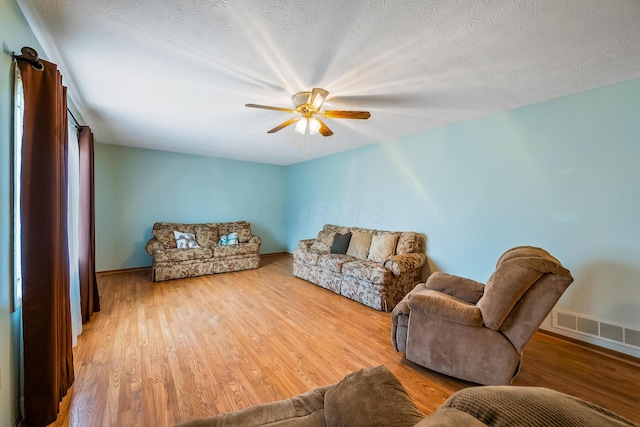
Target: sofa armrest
{"x": 153, "y": 245}
{"x": 445, "y": 307}
{"x": 306, "y": 244}
{"x": 255, "y": 239}
{"x": 465, "y": 289}
{"x": 398, "y": 264}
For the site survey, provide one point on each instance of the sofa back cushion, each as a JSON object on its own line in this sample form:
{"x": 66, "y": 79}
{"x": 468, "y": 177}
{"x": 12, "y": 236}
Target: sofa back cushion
{"x": 207, "y": 235}
{"x": 323, "y": 241}
{"x": 370, "y": 397}
{"x": 243, "y": 229}
{"x": 163, "y": 232}
{"x": 409, "y": 242}
{"x": 166, "y": 237}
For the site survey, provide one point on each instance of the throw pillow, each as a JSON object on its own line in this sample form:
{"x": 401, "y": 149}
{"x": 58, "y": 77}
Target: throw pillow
{"x": 185, "y": 240}
{"x": 382, "y": 247}
{"x": 228, "y": 239}
{"x": 323, "y": 241}
{"x": 340, "y": 243}
{"x": 359, "y": 245}
{"x": 370, "y": 397}
{"x": 166, "y": 237}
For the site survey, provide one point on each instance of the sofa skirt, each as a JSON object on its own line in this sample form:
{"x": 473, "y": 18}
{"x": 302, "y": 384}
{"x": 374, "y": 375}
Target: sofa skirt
{"x": 236, "y": 263}
{"x": 179, "y": 270}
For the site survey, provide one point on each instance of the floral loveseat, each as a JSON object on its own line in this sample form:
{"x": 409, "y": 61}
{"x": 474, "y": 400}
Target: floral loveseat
{"x": 378, "y": 282}
{"x": 170, "y": 262}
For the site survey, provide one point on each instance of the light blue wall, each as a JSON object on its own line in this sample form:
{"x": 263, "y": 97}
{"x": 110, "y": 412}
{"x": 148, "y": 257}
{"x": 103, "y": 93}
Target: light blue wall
{"x": 14, "y": 33}
{"x": 137, "y": 187}
{"x": 563, "y": 175}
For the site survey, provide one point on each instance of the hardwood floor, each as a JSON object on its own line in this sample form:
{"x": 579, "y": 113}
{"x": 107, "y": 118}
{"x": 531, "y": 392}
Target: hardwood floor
{"x": 163, "y": 353}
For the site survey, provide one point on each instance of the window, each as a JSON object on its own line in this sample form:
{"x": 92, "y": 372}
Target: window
{"x": 18, "y": 114}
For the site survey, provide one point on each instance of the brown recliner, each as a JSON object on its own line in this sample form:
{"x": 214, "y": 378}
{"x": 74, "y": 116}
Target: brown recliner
{"x": 477, "y": 332}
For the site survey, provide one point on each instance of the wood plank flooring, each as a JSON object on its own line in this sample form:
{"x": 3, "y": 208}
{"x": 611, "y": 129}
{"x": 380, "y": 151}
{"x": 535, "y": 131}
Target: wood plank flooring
{"x": 164, "y": 353}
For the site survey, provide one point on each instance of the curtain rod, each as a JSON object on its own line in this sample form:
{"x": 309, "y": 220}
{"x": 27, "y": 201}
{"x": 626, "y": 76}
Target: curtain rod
{"x": 31, "y": 56}
{"x": 78, "y": 126}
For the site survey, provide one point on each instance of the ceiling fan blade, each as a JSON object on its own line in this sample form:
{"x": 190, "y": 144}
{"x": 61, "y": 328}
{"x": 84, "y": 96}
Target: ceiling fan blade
{"x": 318, "y": 95}
{"x": 324, "y": 129}
{"x": 267, "y": 107}
{"x": 284, "y": 125}
{"x": 338, "y": 114}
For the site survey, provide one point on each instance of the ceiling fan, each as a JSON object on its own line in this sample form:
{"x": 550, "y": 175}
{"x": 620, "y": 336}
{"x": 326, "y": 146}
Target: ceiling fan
{"x": 307, "y": 105}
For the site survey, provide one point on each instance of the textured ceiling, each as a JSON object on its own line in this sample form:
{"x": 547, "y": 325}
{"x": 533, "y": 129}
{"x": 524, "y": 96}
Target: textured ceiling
{"x": 175, "y": 74}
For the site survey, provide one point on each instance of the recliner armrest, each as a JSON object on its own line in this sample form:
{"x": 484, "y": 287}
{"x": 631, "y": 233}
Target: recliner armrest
{"x": 398, "y": 264}
{"x": 465, "y": 289}
{"x": 153, "y": 245}
{"x": 445, "y": 307}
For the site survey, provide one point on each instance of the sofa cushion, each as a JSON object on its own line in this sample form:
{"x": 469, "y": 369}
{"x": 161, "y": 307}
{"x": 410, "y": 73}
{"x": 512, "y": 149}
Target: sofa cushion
{"x": 368, "y": 270}
{"x": 238, "y": 249}
{"x": 529, "y": 406}
{"x": 175, "y": 255}
{"x": 450, "y": 418}
{"x": 359, "y": 244}
{"x": 382, "y": 247}
{"x": 323, "y": 241}
{"x": 340, "y": 243}
{"x": 207, "y": 235}
{"x": 166, "y": 237}
{"x": 306, "y": 256}
{"x": 409, "y": 242}
{"x": 370, "y": 397}
{"x": 241, "y": 227}
{"x": 334, "y": 262}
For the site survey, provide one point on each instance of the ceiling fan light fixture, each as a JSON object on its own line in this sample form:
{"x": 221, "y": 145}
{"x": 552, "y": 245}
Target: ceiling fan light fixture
{"x": 313, "y": 126}
{"x": 301, "y": 126}
{"x": 300, "y": 99}
{"x": 318, "y": 95}
{"x": 307, "y": 106}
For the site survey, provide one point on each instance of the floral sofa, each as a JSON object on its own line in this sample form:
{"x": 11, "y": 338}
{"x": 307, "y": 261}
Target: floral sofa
{"x": 380, "y": 282}
{"x": 170, "y": 262}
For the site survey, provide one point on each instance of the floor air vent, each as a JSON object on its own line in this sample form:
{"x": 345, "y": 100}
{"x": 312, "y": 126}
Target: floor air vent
{"x": 591, "y": 326}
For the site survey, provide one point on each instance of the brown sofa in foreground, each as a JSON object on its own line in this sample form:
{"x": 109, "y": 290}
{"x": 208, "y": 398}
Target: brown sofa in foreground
{"x": 380, "y": 282}
{"x": 374, "y": 397}
{"x": 462, "y": 328}
{"x": 169, "y": 262}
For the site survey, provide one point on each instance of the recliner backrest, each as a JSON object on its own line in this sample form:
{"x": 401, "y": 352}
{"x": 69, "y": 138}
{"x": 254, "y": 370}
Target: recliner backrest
{"x": 519, "y": 271}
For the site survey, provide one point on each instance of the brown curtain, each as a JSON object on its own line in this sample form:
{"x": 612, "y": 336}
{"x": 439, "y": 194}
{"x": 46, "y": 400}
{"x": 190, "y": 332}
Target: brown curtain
{"x": 46, "y": 315}
{"x": 89, "y": 298}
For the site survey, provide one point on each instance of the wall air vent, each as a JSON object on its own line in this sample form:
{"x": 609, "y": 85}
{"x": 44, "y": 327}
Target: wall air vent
{"x": 593, "y": 327}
